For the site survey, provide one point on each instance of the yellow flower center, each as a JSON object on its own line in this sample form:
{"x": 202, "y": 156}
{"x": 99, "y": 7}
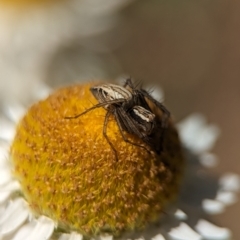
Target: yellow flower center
{"x": 69, "y": 172}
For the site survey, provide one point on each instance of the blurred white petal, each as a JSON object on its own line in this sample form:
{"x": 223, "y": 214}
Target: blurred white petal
{"x": 184, "y": 232}
{"x": 206, "y": 139}
{"x": 5, "y": 176}
{"x": 63, "y": 236}
{"x": 41, "y": 90}
{"x": 158, "y": 237}
{"x": 7, "y": 130}
{"x": 196, "y": 134}
{"x": 4, "y": 196}
{"x": 212, "y": 232}
{"x": 230, "y": 182}
{"x": 212, "y": 206}
{"x": 106, "y": 237}
{"x": 208, "y": 160}
{"x": 158, "y": 93}
{"x": 94, "y": 7}
{"x": 180, "y": 215}
{"x": 4, "y": 149}
{"x": 4, "y": 163}
{"x": 228, "y": 198}
{"x": 71, "y": 236}
{"x": 14, "y": 111}
{"x": 12, "y": 185}
{"x": 29, "y": 40}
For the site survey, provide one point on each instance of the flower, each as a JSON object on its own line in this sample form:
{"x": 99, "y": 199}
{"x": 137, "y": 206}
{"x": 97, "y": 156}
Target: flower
{"x": 69, "y": 172}
{"x": 175, "y": 225}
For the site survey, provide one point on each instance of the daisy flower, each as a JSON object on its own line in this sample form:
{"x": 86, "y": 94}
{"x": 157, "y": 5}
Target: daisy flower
{"x": 200, "y": 195}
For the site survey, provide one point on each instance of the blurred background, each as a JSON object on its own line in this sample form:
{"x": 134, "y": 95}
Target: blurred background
{"x": 189, "y": 48}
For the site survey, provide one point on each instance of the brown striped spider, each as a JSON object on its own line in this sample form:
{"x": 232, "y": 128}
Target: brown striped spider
{"x": 134, "y": 111}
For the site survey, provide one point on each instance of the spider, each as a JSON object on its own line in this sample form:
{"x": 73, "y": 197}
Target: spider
{"x": 131, "y": 111}
{"x": 143, "y": 98}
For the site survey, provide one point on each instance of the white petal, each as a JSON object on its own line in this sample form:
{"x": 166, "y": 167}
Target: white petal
{"x": 184, "y": 232}
{"x": 189, "y": 128}
{"x": 12, "y": 185}
{"x": 41, "y": 90}
{"x": 230, "y": 182}
{"x": 71, "y": 236}
{"x": 196, "y": 134}
{"x": 208, "y": 160}
{"x": 42, "y": 230}
{"x": 4, "y": 196}
{"x": 105, "y": 6}
{"x": 75, "y": 236}
{"x": 212, "y": 206}
{"x": 14, "y": 111}
{"x": 227, "y": 198}
{"x": 63, "y": 236}
{"x": 14, "y": 215}
{"x": 2, "y": 209}
{"x": 7, "y": 189}
{"x": 5, "y": 176}
{"x": 180, "y": 215}
{"x": 158, "y": 94}
{"x": 24, "y": 231}
{"x": 206, "y": 139}
{"x": 7, "y": 131}
{"x": 3, "y": 154}
{"x": 158, "y": 237}
{"x": 106, "y": 237}
{"x": 210, "y": 231}
{"x": 11, "y": 208}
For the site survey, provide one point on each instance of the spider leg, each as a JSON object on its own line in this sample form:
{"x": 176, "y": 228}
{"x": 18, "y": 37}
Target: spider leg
{"x": 129, "y": 83}
{"x": 125, "y": 123}
{"x": 105, "y": 133}
{"x": 130, "y": 86}
{"x": 97, "y": 106}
